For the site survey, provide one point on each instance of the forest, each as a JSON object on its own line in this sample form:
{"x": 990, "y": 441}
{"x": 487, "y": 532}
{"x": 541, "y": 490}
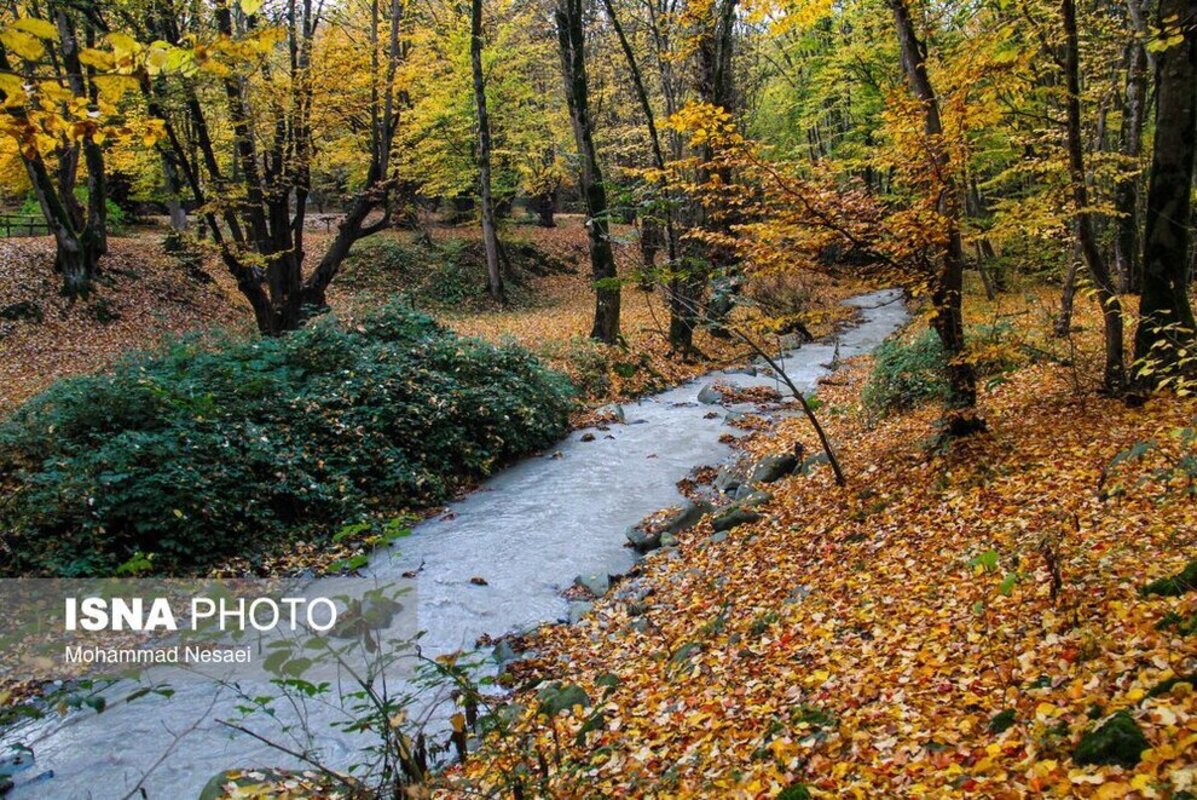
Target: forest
{"x": 842, "y": 349}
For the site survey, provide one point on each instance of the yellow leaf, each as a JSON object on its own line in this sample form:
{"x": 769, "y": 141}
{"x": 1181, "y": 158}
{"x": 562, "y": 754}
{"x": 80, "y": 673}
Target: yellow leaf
{"x": 1047, "y": 710}
{"x": 1110, "y": 791}
{"x": 13, "y": 87}
{"x": 122, "y": 44}
{"x": 1141, "y": 782}
{"x": 155, "y": 59}
{"x": 250, "y": 7}
{"x": 215, "y": 67}
{"x": 178, "y": 60}
{"x": 114, "y": 86}
{"x": 37, "y": 27}
{"x": 55, "y": 92}
{"x": 91, "y": 57}
{"x": 23, "y": 44}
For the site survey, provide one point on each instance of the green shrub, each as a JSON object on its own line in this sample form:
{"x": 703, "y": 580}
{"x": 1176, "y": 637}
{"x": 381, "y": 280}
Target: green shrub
{"x": 204, "y": 451}
{"x": 906, "y": 373}
{"x": 586, "y": 361}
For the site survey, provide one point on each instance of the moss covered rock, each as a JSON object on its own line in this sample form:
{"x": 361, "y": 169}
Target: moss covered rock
{"x": 733, "y": 517}
{"x": 1118, "y": 740}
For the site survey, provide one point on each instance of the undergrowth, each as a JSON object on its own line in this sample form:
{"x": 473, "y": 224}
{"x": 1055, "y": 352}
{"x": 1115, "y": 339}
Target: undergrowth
{"x": 177, "y": 459}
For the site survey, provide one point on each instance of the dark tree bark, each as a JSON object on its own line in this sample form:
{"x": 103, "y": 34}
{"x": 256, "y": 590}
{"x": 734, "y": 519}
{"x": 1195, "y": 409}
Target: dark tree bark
{"x": 1126, "y": 193}
{"x": 1165, "y": 314}
{"x": 490, "y": 238}
{"x": 948, "y": 281}
{"x": 1063, "y": 325}
{"x": 650, "y": 244}
{"x": 715, "y": 87}
{"x": 650, "y": 233}
{"x": 1115, "y": 369}
{"x": 544, "y": 206}
{"x": 571, "y": 35}
{"x": 173, "y": 187}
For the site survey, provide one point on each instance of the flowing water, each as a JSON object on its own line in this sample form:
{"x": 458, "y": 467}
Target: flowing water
{"x": 526, "y": 533}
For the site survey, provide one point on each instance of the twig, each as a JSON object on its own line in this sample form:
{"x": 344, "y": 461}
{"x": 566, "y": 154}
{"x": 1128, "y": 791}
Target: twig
{"x": 294, "y": 754}
{"x": 139, "y": 789}
{"x": 806, "y": 409}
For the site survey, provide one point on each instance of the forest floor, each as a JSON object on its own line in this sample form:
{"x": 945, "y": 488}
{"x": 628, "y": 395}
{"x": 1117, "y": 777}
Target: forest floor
{"x": 146, "y": 298}
{"x": 952, "y": 622}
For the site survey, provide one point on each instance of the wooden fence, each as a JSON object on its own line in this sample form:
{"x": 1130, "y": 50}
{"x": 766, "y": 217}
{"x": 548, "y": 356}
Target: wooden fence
{"x": 12, "y": 225}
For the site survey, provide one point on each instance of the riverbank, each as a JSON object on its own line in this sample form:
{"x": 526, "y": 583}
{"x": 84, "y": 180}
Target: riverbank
{"x": 498, "y": 560}
{"x": 962, "y": 618}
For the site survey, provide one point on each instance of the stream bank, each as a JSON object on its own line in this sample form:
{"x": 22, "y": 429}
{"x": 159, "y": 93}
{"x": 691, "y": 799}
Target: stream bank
{"x": 497, "y": 561}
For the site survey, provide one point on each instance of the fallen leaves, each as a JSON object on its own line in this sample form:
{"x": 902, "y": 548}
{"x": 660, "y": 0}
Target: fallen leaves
{"x": 904, "y": 636}
{"x": 143, "y": 298}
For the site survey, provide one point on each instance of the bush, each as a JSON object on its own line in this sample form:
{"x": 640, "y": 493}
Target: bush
{"x": 906, "y": 373}
{"x": 201, "y": 452}
{"x": 587, "y": 363}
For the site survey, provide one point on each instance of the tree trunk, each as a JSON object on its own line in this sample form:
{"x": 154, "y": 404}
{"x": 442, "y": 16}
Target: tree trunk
{"x": 1115, "y": 370}
{"x": 716, "y": 87}
{"x": 948, "y": 282}
{"x": 571, "y": 38}
{"x": 261, "y": 237}
{"x": 1165, "y": 315}
{"x": 650, "y": 234}
{"x": 80, "y": 236}
{"x": 543, "y": 205}
{"x": 173, "y": 187}
{"x": 650, "y": 245}
{"x": 490, "y": 240}
{"x": 1126, "y": 193}
{"x": 1068, "y": 297}
{"x": 77, "y": 263}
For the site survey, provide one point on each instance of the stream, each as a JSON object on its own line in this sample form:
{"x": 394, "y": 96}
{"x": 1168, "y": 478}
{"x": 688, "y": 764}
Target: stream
{"x": 494, "y": 562}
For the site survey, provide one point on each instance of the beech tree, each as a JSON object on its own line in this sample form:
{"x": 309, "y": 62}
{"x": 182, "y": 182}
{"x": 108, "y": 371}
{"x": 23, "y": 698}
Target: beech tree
{"x": 1127, "y": 238}
{"x": 256, "y": 208}
{"x": 490, "y": 239}
{"x": 1166, "y": 324}
{"x": 54, "y": 112}
{"x": 1107, "y": 296}
{"x": 948, "y": 282}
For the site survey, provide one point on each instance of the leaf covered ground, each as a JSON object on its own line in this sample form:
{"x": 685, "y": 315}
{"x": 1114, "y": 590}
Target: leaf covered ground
{"x": 142, "y": 298}
{"x": 147, "y": 296}
{"x": 951, "y": 623}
